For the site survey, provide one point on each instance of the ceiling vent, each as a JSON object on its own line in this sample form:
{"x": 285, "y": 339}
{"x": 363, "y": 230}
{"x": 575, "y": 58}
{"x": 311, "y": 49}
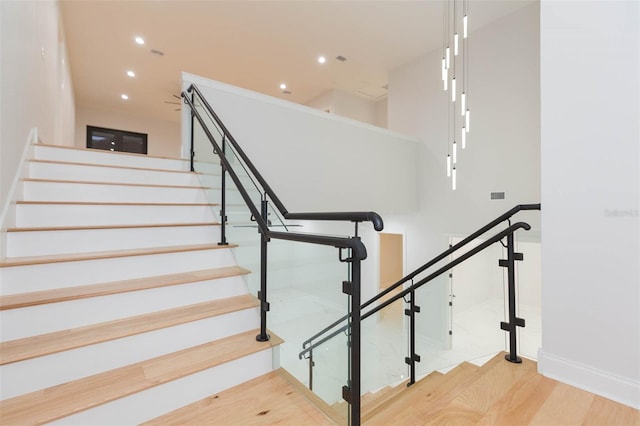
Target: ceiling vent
{"x": 157, "y": 52}
{"x": 341, "y": 58}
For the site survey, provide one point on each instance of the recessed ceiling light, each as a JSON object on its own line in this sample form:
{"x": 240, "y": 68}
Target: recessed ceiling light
{"x": 283, "y": 86}
{"x": 124, "y": 97}
{"x": 139, "y": 40}
{"x": 131, "y": 73}
{"x": 322, "y": 59}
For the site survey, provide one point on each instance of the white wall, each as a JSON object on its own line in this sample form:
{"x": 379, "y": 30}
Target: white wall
{"x": 503, "y": 147}
{"x": 36, "y": 89}
{"x": 163, "y": 136}
{"x": 293, "y": 146}
{"x": 590, "y": 196}
{"x": 351, "y": 106}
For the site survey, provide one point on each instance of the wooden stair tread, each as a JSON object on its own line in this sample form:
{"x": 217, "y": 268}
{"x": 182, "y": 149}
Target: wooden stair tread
{"x": 56, "y": 258}
{"x": 88, "y": 182}
{"x": 21, "y": 300}
{"x": 75, "y": 163}
{"x": 104, "y": 151}
{"x": 320, "y": 403}
{"x": 423, "y": 396}
{"x": 98, "y": 227}
{"x": 59, "y": 341}
{"x": 372, "y": 401}
{"x": 499, "y": 393}
{"x": 266, "y": 400}
{"x": 55, "y": 402}
{"x": 471, "y": 403}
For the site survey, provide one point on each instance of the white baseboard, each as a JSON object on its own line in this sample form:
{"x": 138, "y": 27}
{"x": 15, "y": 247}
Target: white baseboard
{"x": 605, "y": 384}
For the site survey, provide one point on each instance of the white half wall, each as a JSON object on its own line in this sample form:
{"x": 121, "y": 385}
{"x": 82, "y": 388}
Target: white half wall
{"x": 351, "y": 106}
{"x": 316, "y": 161}
{"x": 35, "y": 83}
{"x": 163, "y": 136}
{"x": 590, "y": 196}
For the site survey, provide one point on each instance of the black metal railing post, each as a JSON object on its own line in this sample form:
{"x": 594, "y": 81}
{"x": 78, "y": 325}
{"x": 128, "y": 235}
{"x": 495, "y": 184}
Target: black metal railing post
{"x": 510, "y": 264}
{"x": 262, "y": 294}
{"x": 192, "y": 133}
{"x": 223, "y": 198}
{"x": 355, "y": 341}
{"x": 311, "y": 365}
{"x": 413, "y": 356}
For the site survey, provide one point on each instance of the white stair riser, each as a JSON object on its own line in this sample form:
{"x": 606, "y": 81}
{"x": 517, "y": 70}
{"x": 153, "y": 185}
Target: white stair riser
{"x": 49, "y": 215}
{"x": 26, "y": 322}
{"x": 38, "y": 373}
{"x": 22, "y": 279}
{"x": 42, "y": 243}
{"x": 88, "y": 173}
{"x": 57, "y": 191}
{"x": 107, "y": 158}
{"x": 143, "y": 406}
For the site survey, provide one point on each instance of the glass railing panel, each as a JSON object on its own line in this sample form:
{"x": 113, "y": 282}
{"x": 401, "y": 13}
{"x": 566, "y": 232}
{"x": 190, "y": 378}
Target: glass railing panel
{"x": 385, "y": 343}
{"x": 305, "y": 293}
{"x": 463, "y": 311}
{"x": 207, "y": 163}
{"x": 330, "y": 373}
{"x": 243, "y": 233}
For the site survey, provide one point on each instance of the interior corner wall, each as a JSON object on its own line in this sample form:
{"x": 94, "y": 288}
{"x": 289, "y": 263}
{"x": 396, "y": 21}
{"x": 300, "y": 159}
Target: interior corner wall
{"x": 346, "y": 105}
{"x": 35, "y": 83}
{"x": 503, "y": 147}
{"x": 163, "y": 136}
{"x": 590, "y": 196}
{"x": 380, "y": 113}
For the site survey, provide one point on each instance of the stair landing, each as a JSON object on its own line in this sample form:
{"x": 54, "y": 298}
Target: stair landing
{"x": 268, "y": 399}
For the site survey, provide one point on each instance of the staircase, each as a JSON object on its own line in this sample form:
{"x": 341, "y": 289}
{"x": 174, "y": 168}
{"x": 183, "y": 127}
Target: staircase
{"x": 496, "y": 393}
{"x": 117, "y": 305}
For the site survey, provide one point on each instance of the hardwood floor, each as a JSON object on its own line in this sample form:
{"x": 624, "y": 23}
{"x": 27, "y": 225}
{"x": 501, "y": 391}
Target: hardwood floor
{"x": 498, "y": 393}
{"x": 266, "y": 400}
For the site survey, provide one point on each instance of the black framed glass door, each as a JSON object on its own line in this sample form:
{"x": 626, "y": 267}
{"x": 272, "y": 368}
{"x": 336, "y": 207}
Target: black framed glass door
{"x": 116, "y": 140}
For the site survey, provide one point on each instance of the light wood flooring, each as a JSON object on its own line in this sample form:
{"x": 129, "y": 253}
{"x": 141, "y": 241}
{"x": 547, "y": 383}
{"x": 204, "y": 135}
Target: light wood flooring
{"x": 498, "y": 393}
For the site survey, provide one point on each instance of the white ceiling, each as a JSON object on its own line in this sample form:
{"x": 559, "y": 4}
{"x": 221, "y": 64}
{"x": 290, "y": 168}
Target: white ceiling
{"x": 251, "y": 44}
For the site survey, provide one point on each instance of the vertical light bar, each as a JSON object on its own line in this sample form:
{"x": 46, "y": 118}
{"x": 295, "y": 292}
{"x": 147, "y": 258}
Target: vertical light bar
{"x": 453, "y": 89}
{"x": 463, "y": 103}
{"x": 464, "y": 138}
{"x": 444, "y": 70}
{"x": 453, "y": 178}
{"x": 446, "y": 81}
{"x": 455, "y": 153}
{"x": 455, "y": 44}
{"x": 448, "y": 57}
{"x": 466, "y": 118}
{"x": 448, "y": 165}
{"x": 465, "y": 24}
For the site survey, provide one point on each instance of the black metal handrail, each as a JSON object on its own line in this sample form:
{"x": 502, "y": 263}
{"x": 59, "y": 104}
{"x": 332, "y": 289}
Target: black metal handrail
{"x": 357, "y": 249}
{"x": 499, "y": 236}
{"x": 505, "y": 216}
{"x": 372, "y": 217}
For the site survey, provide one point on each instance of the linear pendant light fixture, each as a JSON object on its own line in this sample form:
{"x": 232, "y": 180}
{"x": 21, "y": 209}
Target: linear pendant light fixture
{"x": 455, "y": 77}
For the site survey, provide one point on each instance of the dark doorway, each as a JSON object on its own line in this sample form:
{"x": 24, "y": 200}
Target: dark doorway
{"x": 116, "y": 140}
